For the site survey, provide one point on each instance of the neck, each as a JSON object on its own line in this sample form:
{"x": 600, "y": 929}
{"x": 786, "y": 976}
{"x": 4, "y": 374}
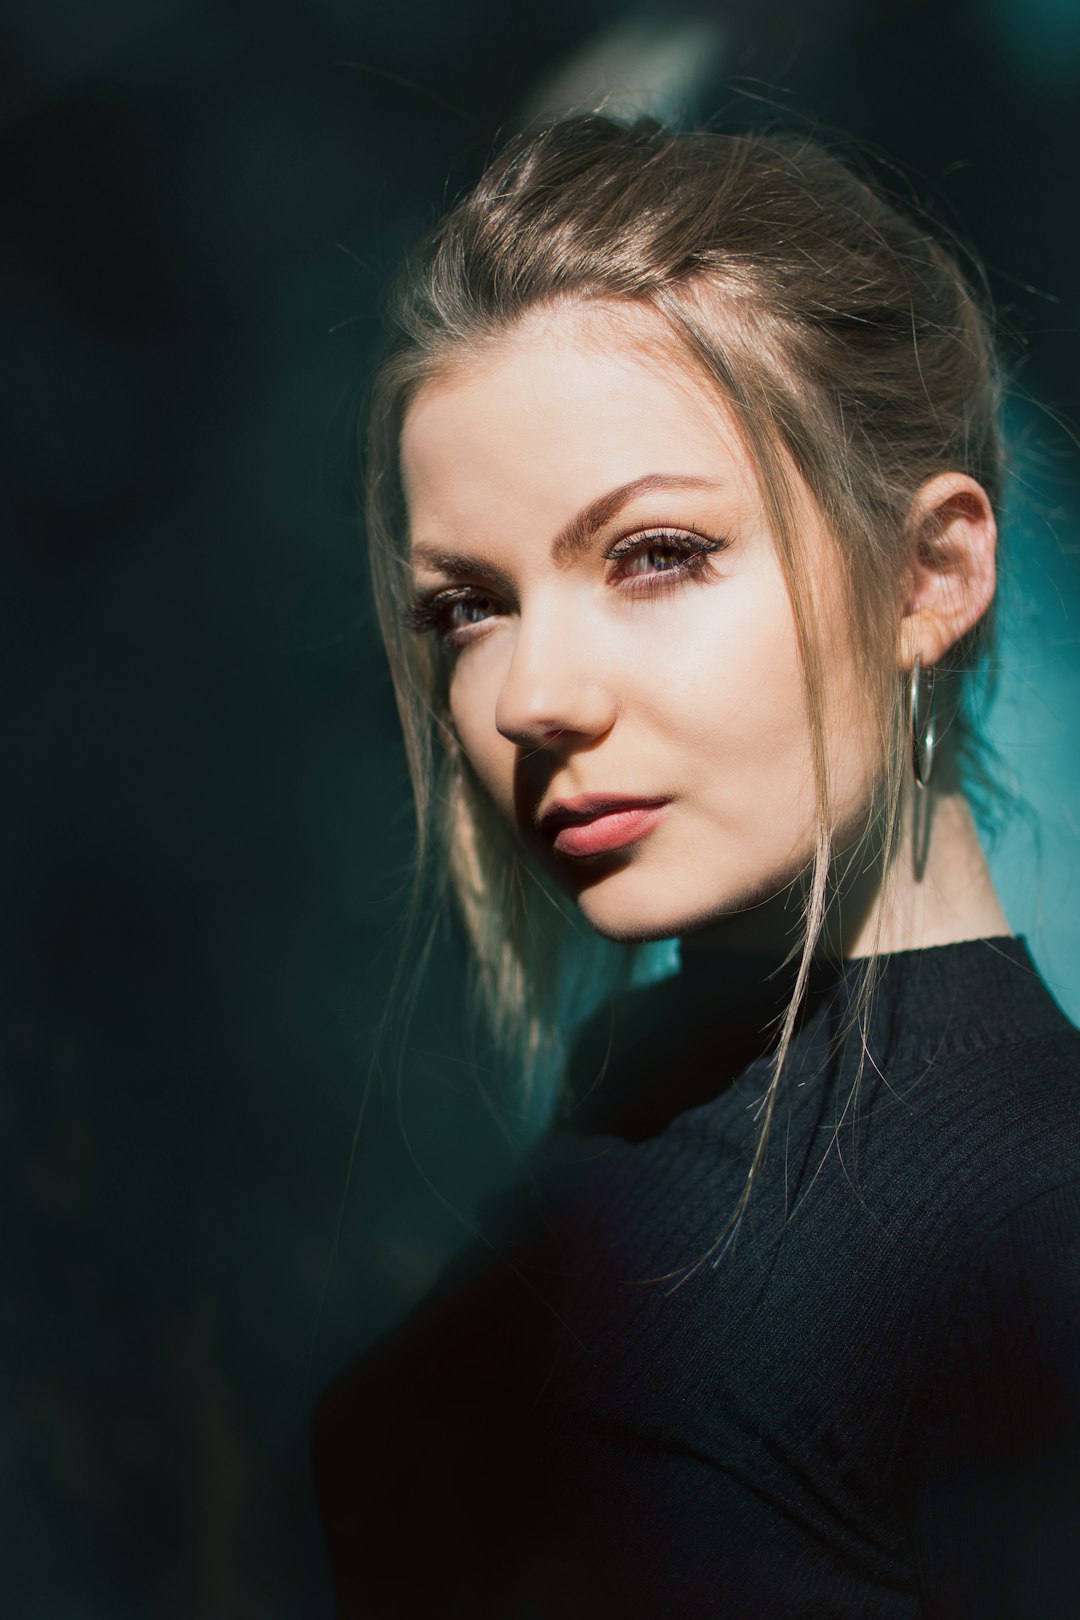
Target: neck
{"x": 939, "y": 891}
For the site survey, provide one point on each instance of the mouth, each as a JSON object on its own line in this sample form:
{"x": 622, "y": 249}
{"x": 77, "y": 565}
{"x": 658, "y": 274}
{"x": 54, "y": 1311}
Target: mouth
{"x": 598, "y": 822}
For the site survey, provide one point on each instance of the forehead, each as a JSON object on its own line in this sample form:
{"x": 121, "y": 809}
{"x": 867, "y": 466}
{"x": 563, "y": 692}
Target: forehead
{"x": 572, "y": 401}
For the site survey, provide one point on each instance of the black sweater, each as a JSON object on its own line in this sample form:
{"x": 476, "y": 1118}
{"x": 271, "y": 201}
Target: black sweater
{"x": 870, "y": 1407}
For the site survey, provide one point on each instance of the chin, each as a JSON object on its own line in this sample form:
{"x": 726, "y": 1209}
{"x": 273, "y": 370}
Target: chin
{"x": 632, "y": 930}
{"x": 632, "y": 908}
{"x": 640, "y": 914}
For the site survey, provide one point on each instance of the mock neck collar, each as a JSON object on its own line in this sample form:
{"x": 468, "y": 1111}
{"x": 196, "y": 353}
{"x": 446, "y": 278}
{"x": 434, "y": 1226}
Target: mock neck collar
{"x": 681, "y": 1040}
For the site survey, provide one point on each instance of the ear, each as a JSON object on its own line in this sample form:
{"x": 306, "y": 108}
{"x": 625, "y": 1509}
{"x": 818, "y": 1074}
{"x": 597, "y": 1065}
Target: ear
{"x": 952, "y": 540}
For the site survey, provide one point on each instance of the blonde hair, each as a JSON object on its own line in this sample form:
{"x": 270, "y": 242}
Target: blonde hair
{"x": 847, "y": 343}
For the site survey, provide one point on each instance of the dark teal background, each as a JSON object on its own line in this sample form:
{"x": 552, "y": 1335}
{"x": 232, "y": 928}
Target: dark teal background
{"x": 206, "y": 818}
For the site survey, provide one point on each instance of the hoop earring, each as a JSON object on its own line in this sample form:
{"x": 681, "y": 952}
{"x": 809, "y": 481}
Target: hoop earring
{"x": 923, "y": 724}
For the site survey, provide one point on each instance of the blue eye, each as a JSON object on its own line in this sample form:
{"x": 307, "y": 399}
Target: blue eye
{"x": 466, "y": 609}
{"x": 449, "y": 612}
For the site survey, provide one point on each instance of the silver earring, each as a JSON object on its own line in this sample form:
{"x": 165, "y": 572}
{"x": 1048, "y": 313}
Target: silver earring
{"x": 923, "y": 725}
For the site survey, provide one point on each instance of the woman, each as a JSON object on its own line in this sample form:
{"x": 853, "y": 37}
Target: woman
{"x": 684, "y": 475}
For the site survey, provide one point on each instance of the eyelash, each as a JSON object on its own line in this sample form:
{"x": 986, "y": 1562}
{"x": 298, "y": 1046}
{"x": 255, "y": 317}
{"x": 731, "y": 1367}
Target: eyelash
{"x": 429, "y": 610}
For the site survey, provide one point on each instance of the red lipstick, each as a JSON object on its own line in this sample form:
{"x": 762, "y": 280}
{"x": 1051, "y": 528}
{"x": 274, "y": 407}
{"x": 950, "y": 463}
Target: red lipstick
{"x": 597, "y": 822}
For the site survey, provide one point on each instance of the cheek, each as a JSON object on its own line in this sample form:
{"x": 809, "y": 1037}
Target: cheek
{"x": 731, "y": 684}
{"x": 473, "y": 695}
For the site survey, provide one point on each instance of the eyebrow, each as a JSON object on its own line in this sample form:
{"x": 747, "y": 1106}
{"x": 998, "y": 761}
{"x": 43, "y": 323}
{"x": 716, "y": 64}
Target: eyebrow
{"x": 575, "y": 535}
{"x": 571, "y": 540}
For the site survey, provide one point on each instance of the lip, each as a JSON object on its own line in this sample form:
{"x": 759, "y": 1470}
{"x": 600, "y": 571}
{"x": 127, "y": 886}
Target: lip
{"x": 594, "y": 823}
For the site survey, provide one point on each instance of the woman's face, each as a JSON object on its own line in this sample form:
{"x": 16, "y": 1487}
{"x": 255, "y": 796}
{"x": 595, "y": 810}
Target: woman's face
{"x": 589, "y": 540}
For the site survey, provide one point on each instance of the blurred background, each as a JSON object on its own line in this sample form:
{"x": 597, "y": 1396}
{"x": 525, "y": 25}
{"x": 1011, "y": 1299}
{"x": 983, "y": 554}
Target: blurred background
{"x": 207, "y": 830}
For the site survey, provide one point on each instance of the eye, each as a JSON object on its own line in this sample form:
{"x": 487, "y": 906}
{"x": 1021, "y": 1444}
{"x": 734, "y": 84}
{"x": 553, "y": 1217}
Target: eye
{"x": 663, "y": 555}
{"x": 452, "y": 614}
{"x": 658, "y": 557}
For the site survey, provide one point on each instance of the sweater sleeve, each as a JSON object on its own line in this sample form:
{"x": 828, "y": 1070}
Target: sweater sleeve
{"x": 997, "y": 1514}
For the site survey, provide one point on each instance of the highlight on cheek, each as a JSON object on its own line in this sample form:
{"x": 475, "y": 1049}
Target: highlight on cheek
{"x": 645, "y": 565}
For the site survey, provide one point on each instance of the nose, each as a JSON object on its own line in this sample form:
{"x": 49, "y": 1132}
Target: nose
{"x": 554, "y": 692}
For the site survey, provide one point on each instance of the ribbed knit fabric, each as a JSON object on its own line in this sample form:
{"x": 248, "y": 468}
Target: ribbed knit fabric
{"x": 870, "y": 1407}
